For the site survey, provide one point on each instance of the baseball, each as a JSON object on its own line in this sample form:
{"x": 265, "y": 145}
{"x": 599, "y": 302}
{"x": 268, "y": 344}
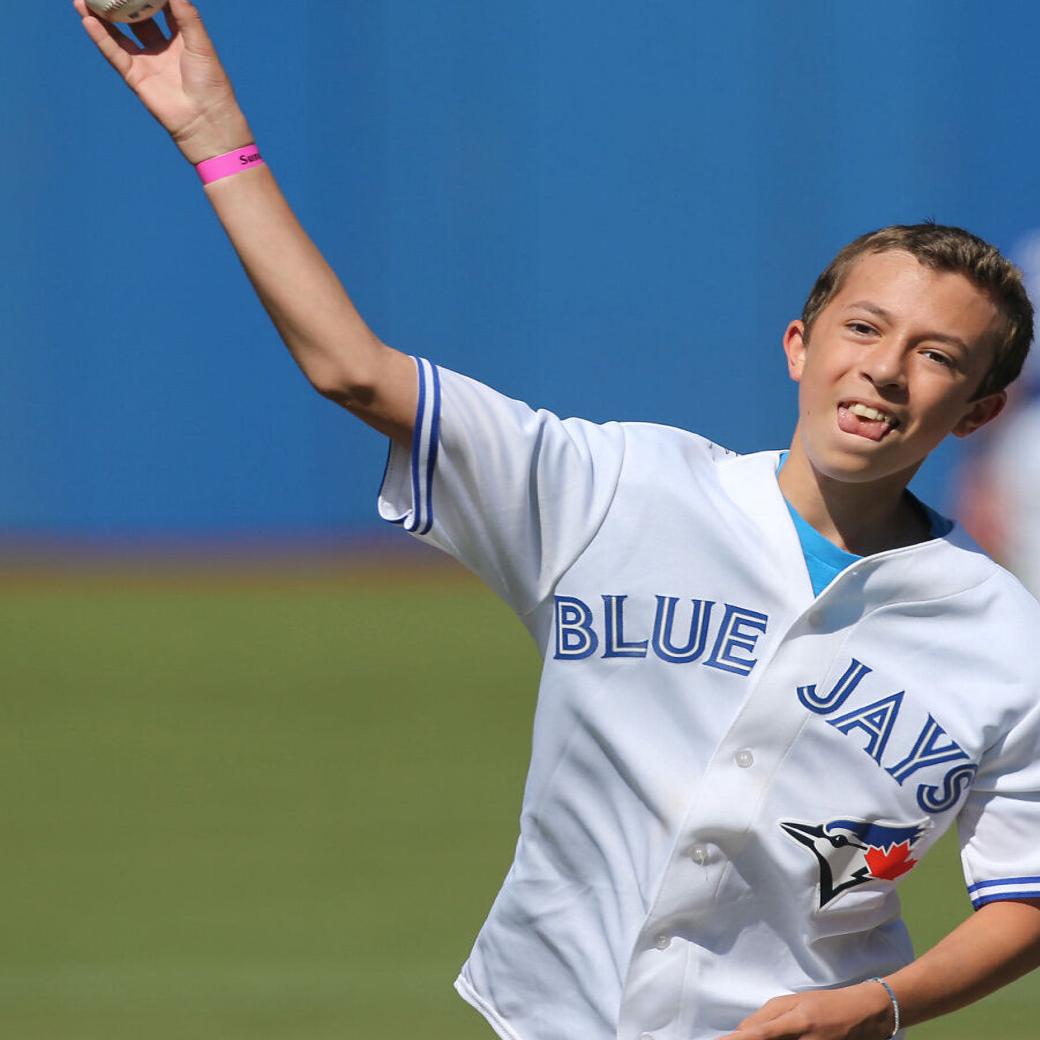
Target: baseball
{"x": 126, "y": 10}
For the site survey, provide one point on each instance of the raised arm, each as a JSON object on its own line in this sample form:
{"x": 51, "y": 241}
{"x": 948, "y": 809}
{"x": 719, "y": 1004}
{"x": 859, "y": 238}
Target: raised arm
{"x": 178, "y": 77}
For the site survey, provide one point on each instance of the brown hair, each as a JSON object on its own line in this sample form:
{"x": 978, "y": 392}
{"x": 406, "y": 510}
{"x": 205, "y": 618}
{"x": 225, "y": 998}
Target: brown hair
{"x": 952, "y": 249}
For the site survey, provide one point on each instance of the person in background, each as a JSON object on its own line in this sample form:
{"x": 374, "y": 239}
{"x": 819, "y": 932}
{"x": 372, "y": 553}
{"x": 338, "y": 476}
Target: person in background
{"x": 998, "y": 493}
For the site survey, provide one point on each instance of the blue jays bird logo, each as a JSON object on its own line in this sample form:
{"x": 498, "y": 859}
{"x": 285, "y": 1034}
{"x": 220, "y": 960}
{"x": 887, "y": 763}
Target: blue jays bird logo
{"x": 852, "y": 852}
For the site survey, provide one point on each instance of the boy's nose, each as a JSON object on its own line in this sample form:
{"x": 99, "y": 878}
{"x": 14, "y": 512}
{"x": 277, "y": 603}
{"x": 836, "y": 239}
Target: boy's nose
{"x": 885, "y": 366}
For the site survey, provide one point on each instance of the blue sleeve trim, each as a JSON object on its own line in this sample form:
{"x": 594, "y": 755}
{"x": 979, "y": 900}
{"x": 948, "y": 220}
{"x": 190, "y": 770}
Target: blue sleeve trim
{"x": 420, "y": 416}
{"x": 435, "y": 436}
{"x": 1004, "y": 896}
{"x": 1030, "y": 880}
{"x": 425, "y": 439}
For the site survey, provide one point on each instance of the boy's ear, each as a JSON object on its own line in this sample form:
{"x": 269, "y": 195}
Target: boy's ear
{"x": 794, "y": 347}
{"x": 982, "y": 411}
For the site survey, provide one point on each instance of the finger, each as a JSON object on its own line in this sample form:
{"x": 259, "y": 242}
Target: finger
{"x": 778, "y": 1026}
{"x": 171, "y": 22}
{"x": 779, "y": 1029}
{"x": 119, "y": 50}
{"x": 767, "y": 1012}
{"x": 783, "y": 1027}
{"x": 186, "y": 21}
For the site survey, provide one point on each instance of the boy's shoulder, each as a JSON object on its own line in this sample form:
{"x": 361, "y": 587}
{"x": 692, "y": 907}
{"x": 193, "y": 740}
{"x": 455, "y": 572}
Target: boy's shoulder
{"x": 1007, "y": 590}
{"x": 656, "y": 437}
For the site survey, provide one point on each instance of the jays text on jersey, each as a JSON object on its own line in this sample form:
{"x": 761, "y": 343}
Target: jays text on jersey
{"x": 729, "y": 776}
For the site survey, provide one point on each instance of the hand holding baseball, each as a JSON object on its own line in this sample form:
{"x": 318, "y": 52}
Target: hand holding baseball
{"x": 178, "y": 78}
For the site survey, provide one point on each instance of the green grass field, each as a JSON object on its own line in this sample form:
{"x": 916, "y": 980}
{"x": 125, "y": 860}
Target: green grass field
{"x": 278, "y": 806}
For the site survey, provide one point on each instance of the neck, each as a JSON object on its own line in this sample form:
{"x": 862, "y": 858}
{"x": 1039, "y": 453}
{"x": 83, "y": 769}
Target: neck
{"x": 862, "y": 518}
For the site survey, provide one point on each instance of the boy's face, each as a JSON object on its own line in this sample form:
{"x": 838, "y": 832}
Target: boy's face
{"x": 898, "y": 339}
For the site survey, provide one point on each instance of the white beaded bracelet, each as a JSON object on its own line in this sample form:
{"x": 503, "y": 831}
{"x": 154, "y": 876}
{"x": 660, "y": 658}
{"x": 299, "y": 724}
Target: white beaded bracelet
{"x": 895, "y": 1004}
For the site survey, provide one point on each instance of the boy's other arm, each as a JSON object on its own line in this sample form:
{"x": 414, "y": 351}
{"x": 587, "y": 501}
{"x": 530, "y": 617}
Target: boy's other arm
{"x": 996, "y": 945}
{"x": 179, "y": 79}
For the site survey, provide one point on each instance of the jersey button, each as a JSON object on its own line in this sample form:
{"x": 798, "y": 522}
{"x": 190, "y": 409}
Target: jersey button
{"x": 662, "y": 942}
{"x": 816, "y": 618}
{"x": 646, "y": 1036}
{"x": 744, "y": 758}
{"x": 699, "y": 854}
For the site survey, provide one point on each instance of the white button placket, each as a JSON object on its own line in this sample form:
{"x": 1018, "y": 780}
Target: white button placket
{"x": 742, "y": 767}
{"x": 699, "y": 854}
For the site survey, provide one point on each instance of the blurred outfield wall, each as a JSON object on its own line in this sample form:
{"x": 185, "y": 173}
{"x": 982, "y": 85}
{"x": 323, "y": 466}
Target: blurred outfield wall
{"x": 608, "y": 210}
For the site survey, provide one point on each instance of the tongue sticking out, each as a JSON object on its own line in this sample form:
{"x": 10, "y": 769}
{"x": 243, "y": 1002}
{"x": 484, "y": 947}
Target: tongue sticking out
{"x": 872, "y": 429}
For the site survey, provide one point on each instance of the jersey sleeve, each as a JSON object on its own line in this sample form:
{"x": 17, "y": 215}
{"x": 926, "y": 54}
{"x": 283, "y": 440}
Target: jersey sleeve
{"x": 513, "y": 493}
{"x": 999, "y": 825}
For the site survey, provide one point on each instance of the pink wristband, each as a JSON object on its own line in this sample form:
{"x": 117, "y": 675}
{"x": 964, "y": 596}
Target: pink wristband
{"x": 228, "y": 164}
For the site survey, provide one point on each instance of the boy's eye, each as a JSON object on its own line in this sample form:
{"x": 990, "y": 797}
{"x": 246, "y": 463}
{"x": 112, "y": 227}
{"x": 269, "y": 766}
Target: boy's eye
{"x": 861, "y": 327}
{"x": 942, "y": 359}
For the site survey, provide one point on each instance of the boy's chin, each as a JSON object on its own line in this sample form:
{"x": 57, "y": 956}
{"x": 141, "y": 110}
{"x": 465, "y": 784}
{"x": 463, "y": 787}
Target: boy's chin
{"x": 856, "y": 462}
{"x": 862, "y": 467}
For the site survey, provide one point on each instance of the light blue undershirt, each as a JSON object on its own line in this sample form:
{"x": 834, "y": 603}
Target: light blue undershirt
{"x": 824, "y": 560}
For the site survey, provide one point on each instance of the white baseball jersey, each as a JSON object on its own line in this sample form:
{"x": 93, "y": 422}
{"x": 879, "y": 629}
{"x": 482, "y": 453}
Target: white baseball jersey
{"x": 728, "y": 775}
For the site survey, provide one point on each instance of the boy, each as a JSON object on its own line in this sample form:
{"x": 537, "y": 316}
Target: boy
{"x": 771, "y": 681}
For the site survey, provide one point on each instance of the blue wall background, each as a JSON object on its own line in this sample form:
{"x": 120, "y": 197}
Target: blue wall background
{"x": 607, "y": 209}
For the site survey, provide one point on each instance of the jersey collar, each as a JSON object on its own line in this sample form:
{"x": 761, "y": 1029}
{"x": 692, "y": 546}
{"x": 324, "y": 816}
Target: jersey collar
{"x": 928, "y": 570}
